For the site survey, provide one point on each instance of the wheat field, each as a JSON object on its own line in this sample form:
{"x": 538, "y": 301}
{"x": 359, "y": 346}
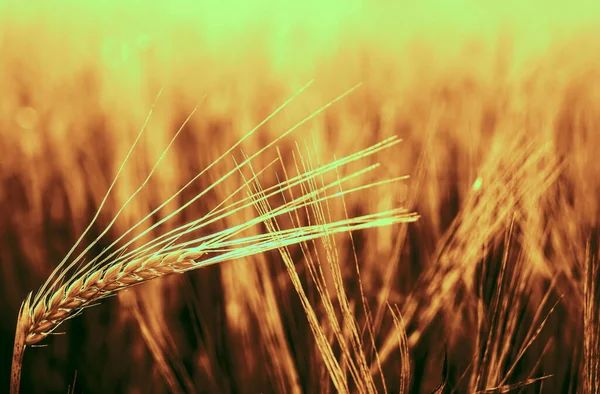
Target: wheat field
{"x": 317, "y": 197}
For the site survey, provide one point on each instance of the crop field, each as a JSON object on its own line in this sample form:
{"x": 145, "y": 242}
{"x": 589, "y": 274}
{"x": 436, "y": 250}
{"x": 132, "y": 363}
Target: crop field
{"x": 314, "y": 197}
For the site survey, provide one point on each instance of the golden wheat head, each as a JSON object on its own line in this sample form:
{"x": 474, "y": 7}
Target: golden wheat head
{"x": 74, "y": 286}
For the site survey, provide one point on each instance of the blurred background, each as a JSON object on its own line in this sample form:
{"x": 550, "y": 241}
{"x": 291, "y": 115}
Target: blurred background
{"x": 498, "y": 106}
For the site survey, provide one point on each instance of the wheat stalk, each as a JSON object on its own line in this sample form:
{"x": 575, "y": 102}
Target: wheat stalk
{"x": 63, "y": 297}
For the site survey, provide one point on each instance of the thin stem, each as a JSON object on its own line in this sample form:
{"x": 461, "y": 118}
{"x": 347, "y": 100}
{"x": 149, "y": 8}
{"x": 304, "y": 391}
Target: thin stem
{"x": 19, "y": 346}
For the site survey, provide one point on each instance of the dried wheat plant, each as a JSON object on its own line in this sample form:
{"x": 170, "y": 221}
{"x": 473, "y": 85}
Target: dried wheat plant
{"x": 77, "y": 284}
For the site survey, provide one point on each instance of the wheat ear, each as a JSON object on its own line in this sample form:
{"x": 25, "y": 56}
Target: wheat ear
{"x": 38, "y": 321}
{"x": 99, "y": 284}
{"x": 64, "y": 297}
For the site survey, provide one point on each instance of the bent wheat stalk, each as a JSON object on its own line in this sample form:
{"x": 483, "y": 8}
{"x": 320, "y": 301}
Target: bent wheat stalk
{"x": 64, "y": 296}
